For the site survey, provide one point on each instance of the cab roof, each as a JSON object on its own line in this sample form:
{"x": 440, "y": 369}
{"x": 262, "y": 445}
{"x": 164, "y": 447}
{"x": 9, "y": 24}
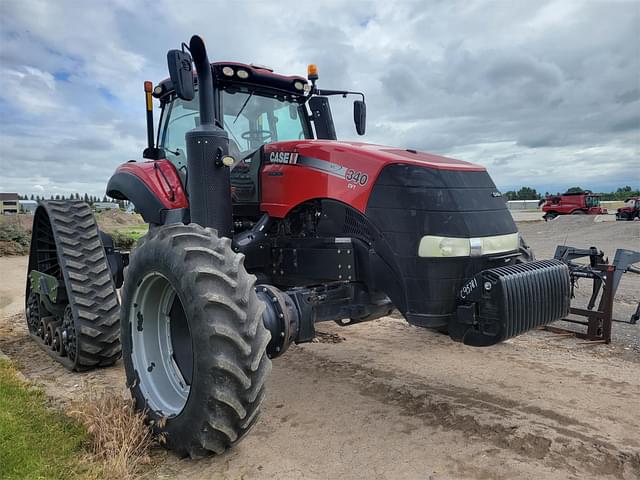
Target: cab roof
{"x": 257, "y": 75}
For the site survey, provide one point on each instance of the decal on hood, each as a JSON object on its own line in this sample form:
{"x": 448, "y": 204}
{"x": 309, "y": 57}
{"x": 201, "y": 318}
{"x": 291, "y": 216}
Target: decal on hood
{"x": 283, "y": 157}
{"x": 291, "y": 158}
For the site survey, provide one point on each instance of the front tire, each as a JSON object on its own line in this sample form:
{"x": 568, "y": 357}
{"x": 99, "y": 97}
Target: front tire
{"x": 193, "y": 341}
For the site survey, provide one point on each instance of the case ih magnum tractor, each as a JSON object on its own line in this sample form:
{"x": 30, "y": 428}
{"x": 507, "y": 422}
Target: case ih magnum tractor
{"x": 262, "y": 224}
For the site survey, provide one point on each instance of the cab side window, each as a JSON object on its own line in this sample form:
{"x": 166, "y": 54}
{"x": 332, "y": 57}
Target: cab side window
{"x": 288, "y": 126}
{"x": 181, "y": 117}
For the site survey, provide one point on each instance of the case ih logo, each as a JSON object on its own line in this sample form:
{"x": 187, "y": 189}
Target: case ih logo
{"x": 283, "y": 157}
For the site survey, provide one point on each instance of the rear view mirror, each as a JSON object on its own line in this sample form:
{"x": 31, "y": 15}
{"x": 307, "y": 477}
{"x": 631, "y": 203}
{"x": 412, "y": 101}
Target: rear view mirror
{"x": 360, "y": 116}
{"x": 181, "y": 73}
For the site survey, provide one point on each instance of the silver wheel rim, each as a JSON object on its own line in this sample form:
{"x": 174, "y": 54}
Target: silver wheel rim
{"x": 157, "y": 348}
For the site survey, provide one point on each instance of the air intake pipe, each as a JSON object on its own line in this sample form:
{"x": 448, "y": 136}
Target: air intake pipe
{"x": 208, "y": 186}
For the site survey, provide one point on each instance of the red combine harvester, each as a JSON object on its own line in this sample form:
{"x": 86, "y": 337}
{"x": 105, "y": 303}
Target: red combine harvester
{"x": 262, "y": 224}
{"x": 631, "y": 209}
{"x": 572, "y": 203}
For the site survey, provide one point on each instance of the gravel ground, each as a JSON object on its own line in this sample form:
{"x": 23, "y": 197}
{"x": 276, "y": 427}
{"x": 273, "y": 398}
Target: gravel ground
{"x": 387, "y": 400}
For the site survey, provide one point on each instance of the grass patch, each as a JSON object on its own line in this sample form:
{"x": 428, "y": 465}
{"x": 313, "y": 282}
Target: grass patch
{"x": 35, "y": 442}
{"x": 126, "y": 237}
{"x": 135, "y": 231}
{"x": 14, "y": 239}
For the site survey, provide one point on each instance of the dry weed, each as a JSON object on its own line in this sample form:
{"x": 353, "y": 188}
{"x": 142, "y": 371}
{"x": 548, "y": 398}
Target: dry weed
{"x": 119, "y": 438}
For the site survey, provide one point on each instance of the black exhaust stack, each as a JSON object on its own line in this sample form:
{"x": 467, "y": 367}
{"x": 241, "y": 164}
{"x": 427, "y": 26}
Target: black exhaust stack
{"x": 208, "y": 183}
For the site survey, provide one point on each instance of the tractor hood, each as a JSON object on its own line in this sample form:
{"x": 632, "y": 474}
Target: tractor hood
{"x": 376, "y": 156}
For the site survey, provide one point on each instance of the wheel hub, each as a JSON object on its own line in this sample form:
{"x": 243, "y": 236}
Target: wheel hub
{"x": 161, "y": 345}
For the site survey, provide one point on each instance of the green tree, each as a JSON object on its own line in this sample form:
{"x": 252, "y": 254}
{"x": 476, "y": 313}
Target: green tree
{"x": 575, "y": 190}
{"x": 528, "y": 193}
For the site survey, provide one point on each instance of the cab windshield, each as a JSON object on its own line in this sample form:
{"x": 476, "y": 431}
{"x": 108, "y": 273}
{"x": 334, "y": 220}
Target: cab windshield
{"x": 251, "y": 119}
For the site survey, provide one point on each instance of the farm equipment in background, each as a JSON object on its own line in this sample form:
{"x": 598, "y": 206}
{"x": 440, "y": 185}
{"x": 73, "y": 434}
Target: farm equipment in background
{"x": 572, "y": 203}
{"x": 606, "y": 279}
{"x": 631, "y": 209}
{"x": 262, "y": 224}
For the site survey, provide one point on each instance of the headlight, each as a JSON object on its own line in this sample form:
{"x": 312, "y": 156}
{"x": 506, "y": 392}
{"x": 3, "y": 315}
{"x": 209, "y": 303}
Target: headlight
{"x": 227, "y": 71}
{"x": 500, "y": 243}
{"x": 243, "y": 74}
{"x": 431, "y": 246}
{"x": 440, "y": 247}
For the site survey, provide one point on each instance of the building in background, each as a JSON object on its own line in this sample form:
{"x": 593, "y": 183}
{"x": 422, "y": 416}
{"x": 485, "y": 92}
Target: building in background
{"x": 523, "y": 204}
{"x": 101, "y": 206}
{"x": 28, "y": 206}
{"x": 9, "y": 203}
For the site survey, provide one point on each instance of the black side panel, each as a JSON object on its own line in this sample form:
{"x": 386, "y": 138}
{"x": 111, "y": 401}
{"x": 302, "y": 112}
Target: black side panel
{"x": 125, "y": 186}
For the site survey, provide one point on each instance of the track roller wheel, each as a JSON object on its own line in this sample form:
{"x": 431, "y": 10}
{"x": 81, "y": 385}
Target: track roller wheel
{"x": 42, "y": 330}
{"x": 193, "y": 339}
{"x": 51, "y": 330}
{"x": 58, "y": 345}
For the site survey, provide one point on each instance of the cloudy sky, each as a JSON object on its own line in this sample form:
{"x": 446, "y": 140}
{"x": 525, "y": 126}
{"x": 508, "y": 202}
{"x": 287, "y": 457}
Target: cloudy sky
{"x": 542, "y": 93}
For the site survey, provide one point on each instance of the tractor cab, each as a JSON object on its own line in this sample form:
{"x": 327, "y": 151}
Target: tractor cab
{"x": 256, "y": 107}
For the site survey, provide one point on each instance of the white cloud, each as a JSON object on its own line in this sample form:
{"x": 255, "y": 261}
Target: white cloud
{"x": 542, "y": 93}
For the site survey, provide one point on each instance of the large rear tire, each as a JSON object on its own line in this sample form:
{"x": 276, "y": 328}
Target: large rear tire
{"x": 193, "y": 341}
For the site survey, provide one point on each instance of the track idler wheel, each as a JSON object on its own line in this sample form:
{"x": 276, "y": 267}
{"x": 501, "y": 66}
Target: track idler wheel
{"x": 193, "y": 341}
{"x": 33, "y": 313}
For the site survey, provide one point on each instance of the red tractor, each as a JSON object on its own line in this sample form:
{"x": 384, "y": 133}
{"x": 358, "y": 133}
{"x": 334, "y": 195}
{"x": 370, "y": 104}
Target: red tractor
{"x": 572, "y": 203}
{"x": 631, "y": 209}
{"x": 262, "y": 224}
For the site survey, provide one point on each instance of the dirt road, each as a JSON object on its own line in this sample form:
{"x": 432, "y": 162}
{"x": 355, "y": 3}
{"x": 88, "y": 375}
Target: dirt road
{"x": 386, "y": 400}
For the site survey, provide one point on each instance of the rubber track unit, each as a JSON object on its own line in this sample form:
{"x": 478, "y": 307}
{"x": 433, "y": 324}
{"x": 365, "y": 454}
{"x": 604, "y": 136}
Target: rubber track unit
{"x": 85, "y": 271}
{"x": 229, "y": 339}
